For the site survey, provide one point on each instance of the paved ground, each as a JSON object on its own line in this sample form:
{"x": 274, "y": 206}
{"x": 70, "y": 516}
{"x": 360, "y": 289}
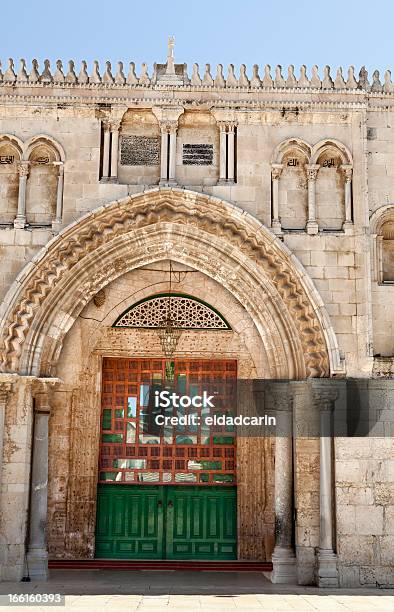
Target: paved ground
{"x": 153, "y": 591}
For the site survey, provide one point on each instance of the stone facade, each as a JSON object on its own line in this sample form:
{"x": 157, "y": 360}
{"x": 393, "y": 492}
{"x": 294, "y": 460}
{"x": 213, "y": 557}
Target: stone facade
{"x": 275, "y": 196}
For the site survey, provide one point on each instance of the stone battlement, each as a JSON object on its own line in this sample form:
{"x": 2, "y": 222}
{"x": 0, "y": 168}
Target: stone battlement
{"x": 178, "y": 77}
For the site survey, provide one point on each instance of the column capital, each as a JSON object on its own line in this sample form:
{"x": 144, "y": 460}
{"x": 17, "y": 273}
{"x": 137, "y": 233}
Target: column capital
{"x": 231, "y": 125}
{"x": 168, "y": 114}
{"x": 348, "y": 171}
{"x": 5, "y": 390}
{"x": 222, "y": 125}
{"x": 276, "y": 171}
{"x": 281, "y": 395}
{"x": 168, "y": 127}
{"x": 23, "y": 168}
{"x": 114, "y": 125}
{"x": 311, "y": 171}
{"x": 325, "y": 393}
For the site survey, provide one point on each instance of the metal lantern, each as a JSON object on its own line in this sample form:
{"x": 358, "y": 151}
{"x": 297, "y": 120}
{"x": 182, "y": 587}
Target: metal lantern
{"x": 169, "y": 334}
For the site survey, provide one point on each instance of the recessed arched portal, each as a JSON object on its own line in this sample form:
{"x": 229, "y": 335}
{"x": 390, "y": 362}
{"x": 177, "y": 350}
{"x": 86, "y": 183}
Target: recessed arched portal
{"x": 236, "y": 257}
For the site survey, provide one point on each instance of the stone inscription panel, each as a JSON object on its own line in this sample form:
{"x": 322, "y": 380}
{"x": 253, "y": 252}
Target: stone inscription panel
{"x": 139, "y": 151}
{"x": 197, "y": 154}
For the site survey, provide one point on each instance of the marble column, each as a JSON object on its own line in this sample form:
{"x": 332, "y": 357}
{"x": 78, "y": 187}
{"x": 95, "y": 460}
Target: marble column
{"x": 57, "y": 222}
{"x": 348, "y": 171}
{"x": 222, "y": 153}
{"x": 172, "y": 156}
{"x": 283, "y": 557}
{"x": 230, "y": 152}
{"x": 5, "y": 389}
{"x": 106, "y": 145}
{"x": 276, "y": 171}
{"x": 115, "y": 126}
{"x": 325, "y": 395}
{"x": 20, "y": 220}
{"x": 164, "y": 156}
{"x": 312, "y": 226}
{"x": 37, "y": 555}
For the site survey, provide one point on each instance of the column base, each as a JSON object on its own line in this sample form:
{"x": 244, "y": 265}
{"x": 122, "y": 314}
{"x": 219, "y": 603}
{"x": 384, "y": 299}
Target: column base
{"x": 347, "y": 227}
{"x": 327, "y": 574}
{"x": 284, "y": 566}
{"x": 168, "y": 183}
{"x": 20, "y": 223}
{"x": 276, "y": 227}
{"x": 37, "y": 564}
{"x": 312, "y": 227}
{"x": 56, "y": 226}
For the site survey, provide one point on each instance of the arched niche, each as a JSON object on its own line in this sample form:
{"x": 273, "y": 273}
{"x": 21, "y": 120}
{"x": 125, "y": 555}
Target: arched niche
{"x": 10, "y": 156}
{"x": 293, "y": 189}
{"x": 139, "y": 148}
{"x": 330, "y": 190}
{"x": 197, "y": 155}
{"x": 387, "y": 233}
{"x": 333, "y": 184}
{"x": 41, "y": 190}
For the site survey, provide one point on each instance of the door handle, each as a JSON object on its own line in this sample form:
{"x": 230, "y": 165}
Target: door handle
{"x": 159, "y": 503}
{"x": 170, "y": 504}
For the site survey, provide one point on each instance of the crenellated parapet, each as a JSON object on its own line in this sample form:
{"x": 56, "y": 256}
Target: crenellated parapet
{"x": 176, "y": 75}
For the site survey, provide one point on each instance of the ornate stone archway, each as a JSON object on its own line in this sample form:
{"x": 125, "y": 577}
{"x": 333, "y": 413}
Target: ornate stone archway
{"x": 212, "y": 235}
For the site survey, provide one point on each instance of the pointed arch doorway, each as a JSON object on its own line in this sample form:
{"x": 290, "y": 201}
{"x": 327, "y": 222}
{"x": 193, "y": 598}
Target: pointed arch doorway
{"x": 166, "y": 492}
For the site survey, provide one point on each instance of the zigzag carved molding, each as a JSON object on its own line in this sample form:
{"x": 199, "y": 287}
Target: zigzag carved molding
{"x": 208, "y": 214}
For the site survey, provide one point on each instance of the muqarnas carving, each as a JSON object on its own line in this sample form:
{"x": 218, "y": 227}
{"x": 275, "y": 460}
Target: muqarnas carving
{"x": 139, "y": 151}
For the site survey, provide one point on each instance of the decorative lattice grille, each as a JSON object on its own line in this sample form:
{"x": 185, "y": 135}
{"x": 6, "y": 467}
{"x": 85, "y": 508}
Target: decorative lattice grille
{"x": 185, "y": 312}
{"x": 134, "y": 450}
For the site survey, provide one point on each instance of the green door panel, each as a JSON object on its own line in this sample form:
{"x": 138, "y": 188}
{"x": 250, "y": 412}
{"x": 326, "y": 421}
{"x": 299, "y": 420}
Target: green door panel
{"x": 201, "y": 523}
{"x": 129, "y": 522}
{"x": 166, "y": 522}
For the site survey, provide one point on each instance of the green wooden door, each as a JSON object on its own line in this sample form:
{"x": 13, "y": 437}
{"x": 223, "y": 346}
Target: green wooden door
{"x": 201, "y": 523}
{"x": 129, "y": 522}
{"x": 166, "y": 522}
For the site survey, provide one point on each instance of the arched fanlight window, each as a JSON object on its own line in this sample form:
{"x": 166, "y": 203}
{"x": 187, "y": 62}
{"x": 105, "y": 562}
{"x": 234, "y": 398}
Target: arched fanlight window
{"x": 186, "y": 312}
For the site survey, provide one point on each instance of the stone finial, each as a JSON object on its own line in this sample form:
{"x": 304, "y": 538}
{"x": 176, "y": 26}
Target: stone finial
{"x": 291, "y": 81}
{"x": 388, "y": 86}
{"x": 144, "y": 76}
{"x": 1, "y": 74}
{"x": 170, "y": 66}
{"x": 207, "y": 78}
{"x": 219, "y": 79}
{"x": 243, "y": 78}
{"x": 363, "y": 82}
{"x": 303, "y": 81}
{"x": 34, "y": 74}
{"x": 327, "y": 83}
{"x": 315, "y": 79}
{"x": 9, "y": 74}
{"x": 255, "y": 80}
{"x": 58, "y": 77}
{"x": 185, "y": 76}
{"x": 231, "y": 80}
{"x": 108, "y": 79}
{"x": 83, "y": 76}
{"x": 351, "y": 82}
{"x": 46, "y": 76}
{"x": 376, "y": 84}
{"x": 71, "y": 77}
{"x": 22, "y": 74}
{"x": 120, "y": 78}
{"x": 339, "y": 82}
{"x": 132, "y": 77}
{"x": 195, "y": 80}
{"x": 95, "y": 76}
{"x": 279, "y": 80}
{"x": 267, "y": 79}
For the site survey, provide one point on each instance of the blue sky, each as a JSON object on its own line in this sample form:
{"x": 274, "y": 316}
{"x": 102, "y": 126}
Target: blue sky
{"x": 335, "y": 32}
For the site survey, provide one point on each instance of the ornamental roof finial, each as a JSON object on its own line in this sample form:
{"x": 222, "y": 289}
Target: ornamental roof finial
{"x": 170, "y": 55}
